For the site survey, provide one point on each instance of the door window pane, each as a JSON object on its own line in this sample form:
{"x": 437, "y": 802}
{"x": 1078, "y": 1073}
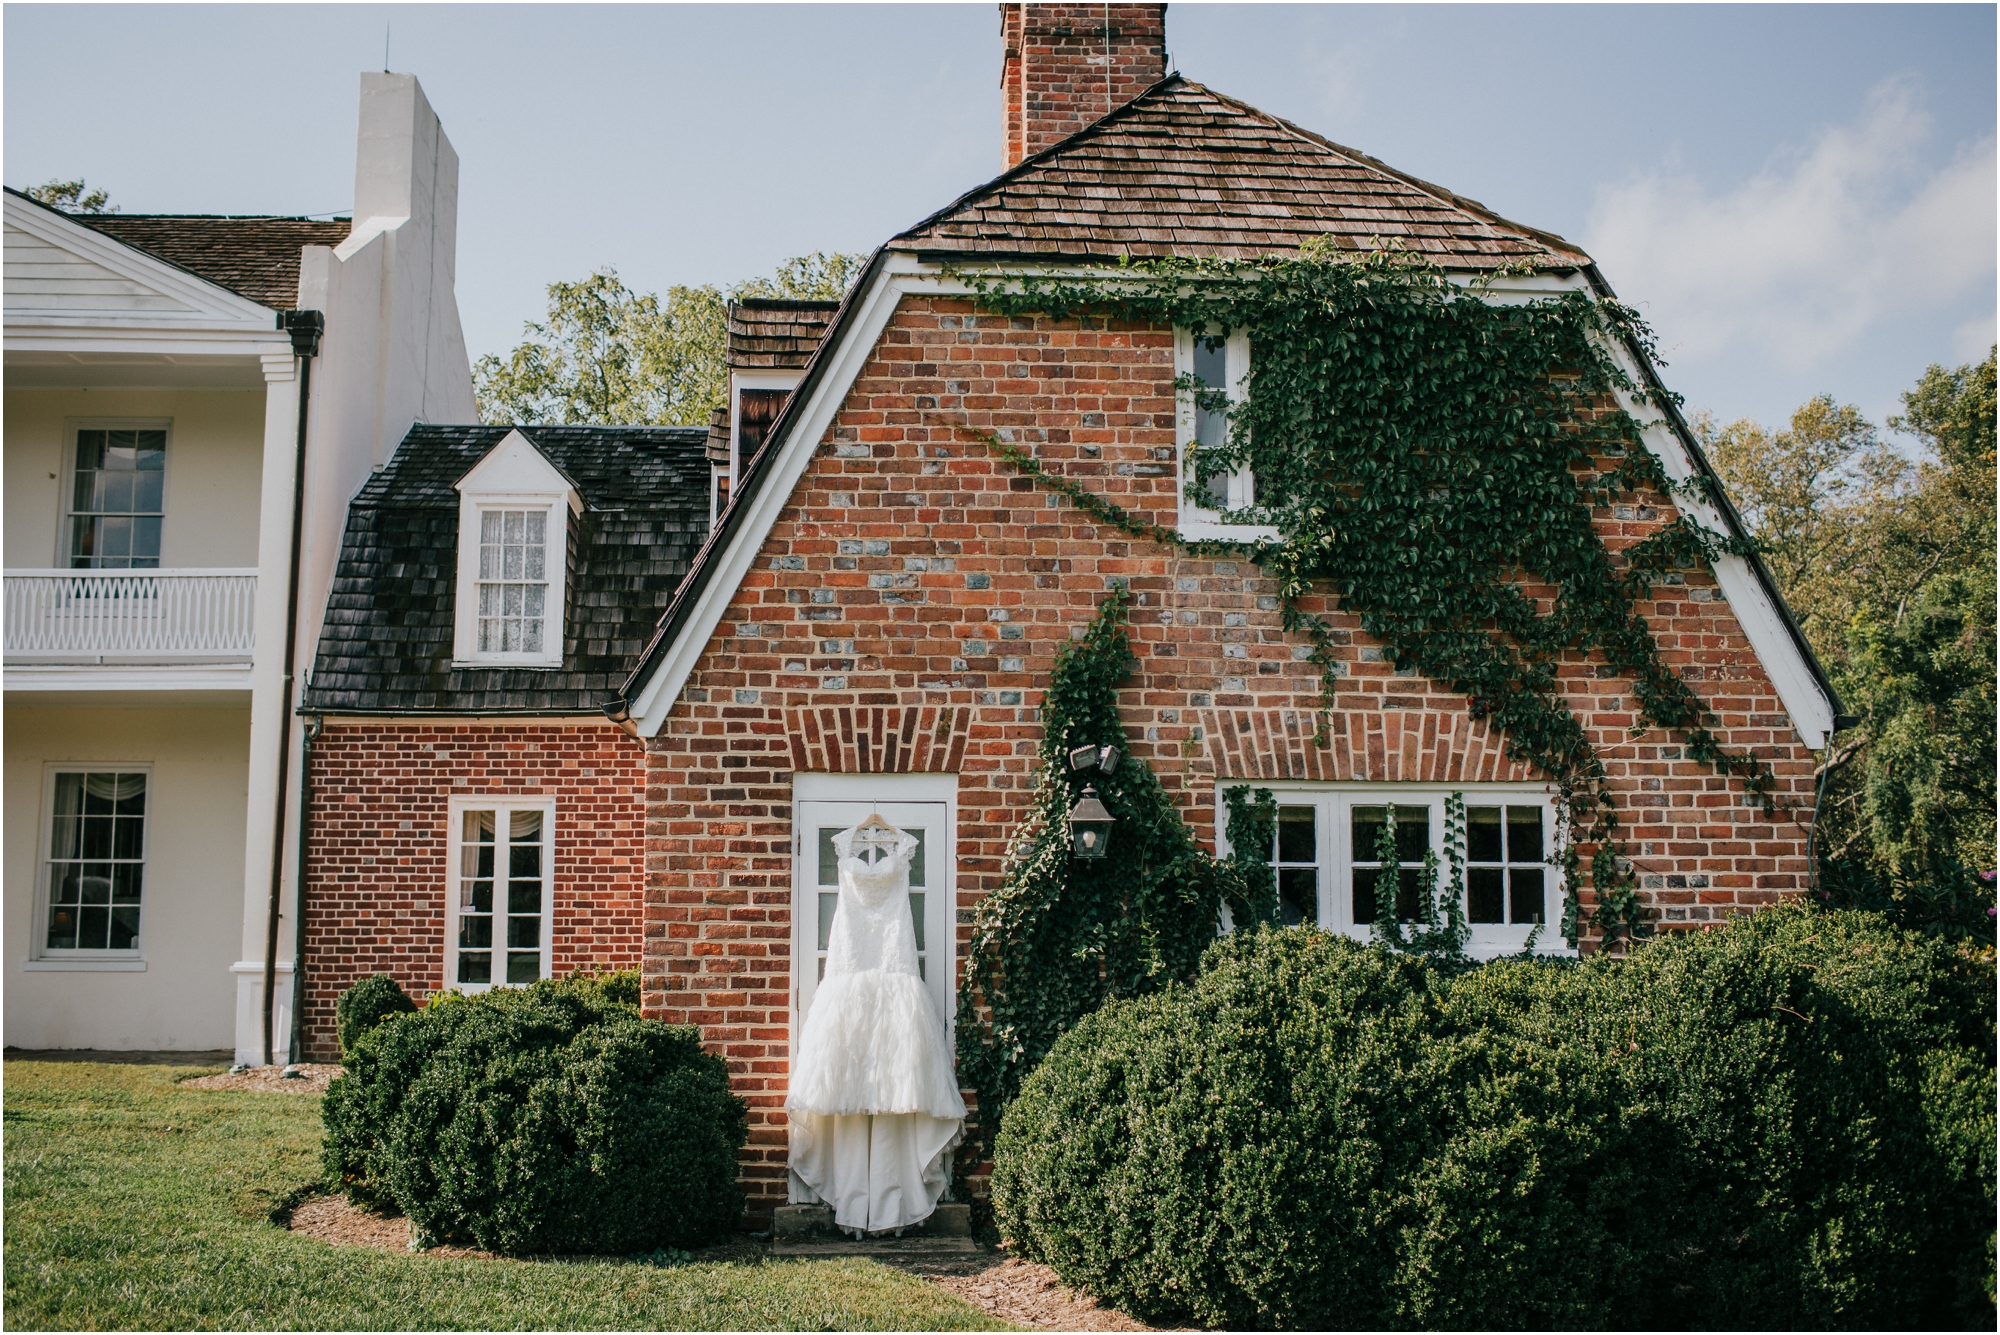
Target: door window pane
{"x": 97, "y": 847}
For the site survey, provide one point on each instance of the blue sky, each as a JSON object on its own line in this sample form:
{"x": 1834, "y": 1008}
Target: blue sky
{"x": 1801, "y": 198}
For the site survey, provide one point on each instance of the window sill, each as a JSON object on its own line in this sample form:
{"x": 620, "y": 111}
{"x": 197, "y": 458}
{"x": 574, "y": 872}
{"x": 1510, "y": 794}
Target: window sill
{"x": 1207, "y": 529}
{"x": 51, "y": 965}
{"x": 531, "y": 664}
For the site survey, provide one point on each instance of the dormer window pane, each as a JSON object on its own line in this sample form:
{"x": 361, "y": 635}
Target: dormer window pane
{"x": 513, "y": 580}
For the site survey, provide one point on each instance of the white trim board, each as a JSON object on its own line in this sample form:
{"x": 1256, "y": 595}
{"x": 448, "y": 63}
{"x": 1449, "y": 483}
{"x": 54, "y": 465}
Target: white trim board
{"x": 202, "y": 304}
{"x": 902, "y": 273}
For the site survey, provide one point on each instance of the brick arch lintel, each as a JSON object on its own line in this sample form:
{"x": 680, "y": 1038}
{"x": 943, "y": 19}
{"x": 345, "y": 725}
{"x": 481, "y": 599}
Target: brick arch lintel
{"x": 1371, "y": 747}
{"x": 878, "y": 739}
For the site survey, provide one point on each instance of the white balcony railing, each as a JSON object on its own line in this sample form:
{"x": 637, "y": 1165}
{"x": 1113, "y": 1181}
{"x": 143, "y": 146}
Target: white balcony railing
{"x": 132, "y": 616}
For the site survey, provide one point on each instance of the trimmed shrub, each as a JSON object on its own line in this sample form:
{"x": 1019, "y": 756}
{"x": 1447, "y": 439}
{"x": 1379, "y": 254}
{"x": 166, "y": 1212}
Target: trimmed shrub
{"x": 1784, "y": 1122}
{"x": 544, "y": 1120}
{"x": 365, "y": 1005}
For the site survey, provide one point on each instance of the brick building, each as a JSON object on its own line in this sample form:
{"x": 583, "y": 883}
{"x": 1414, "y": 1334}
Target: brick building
{"x": 870, "y": 623}
{"x": 475, "y": 819}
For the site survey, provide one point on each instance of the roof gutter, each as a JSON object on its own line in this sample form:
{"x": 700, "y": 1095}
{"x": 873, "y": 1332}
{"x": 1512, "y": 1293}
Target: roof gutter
{"x": 305, "y": 328}
{"x": 1720, "y": 495}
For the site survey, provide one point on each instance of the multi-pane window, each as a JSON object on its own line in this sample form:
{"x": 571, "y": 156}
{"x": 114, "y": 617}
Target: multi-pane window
{"x": 1370, "y": 858}
{"x": 96, "y": 866}
{"x": 1218, "y": 362}
{"x": 513, "y": 581}
{"x": 1334, "y": 854}
{"x": 117, "y": 499}
{"x": 1296, "y": 863}
{"x": 497, "y": 931}
{"x": 1506, "y": 871}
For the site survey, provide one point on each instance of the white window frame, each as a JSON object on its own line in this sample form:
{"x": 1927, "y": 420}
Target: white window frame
{"x": 1197, "y": 521}
{"x": 740, "y": 381}
{"x": 455, "y": 844}
{"x": 66, "y": 487}
{"x": 941, "y": 913}
{"x": 1333, "y": 802}
{"x": 43, "y": 958}
{"x": 465, "y": 629}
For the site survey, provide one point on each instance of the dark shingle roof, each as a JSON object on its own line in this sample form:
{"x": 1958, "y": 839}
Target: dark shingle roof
{"x": 718, "y": 435}
{"x": 766, "y": 334}
{"x": 1181, "y": 170}
{"x": 387, "y": 641}
{"x": 254, "y": 257}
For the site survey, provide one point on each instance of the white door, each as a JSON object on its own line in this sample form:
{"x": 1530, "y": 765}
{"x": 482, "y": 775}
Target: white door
{"x": 816, "y": 892}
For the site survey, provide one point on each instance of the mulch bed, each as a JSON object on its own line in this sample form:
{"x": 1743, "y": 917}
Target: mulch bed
{"x": 268, "y": 1080}
{"x": 1013, "y": 1290}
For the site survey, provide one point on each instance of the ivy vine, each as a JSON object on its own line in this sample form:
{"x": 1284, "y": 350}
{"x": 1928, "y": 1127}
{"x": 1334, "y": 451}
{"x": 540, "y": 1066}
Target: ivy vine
{"x": 1064, "y": 935}
{"x": 1434, "y": 460}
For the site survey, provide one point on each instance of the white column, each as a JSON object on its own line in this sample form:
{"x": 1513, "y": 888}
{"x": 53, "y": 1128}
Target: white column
{"x": 270, "y": 719}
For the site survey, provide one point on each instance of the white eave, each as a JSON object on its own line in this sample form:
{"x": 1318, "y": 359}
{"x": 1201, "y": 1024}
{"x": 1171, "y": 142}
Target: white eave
{"x": 184, "y": 314}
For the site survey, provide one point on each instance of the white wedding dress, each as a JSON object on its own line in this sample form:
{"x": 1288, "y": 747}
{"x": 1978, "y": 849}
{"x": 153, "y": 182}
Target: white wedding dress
{"x": 873, "y": 1104}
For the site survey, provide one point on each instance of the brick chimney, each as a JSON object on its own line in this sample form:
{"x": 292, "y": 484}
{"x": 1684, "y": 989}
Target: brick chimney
{"x": 1066, "y": 65}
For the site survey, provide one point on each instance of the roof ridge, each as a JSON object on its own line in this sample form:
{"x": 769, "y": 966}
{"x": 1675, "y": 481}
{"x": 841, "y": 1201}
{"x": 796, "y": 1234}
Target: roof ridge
{"x": 1373, "y": 163}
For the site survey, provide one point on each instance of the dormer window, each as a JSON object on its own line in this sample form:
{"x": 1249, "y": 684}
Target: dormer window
{"x": 513, "y": 541}
{"x": 513, "y": 580}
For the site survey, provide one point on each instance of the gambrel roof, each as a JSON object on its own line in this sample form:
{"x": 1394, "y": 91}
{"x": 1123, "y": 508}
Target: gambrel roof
{"x": 1183, "y": 170}
{"x": 386, "y": 645}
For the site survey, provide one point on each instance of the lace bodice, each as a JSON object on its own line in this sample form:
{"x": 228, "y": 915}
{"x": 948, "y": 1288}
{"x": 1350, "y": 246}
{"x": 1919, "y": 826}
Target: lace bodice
{"x": 873, "y": 930}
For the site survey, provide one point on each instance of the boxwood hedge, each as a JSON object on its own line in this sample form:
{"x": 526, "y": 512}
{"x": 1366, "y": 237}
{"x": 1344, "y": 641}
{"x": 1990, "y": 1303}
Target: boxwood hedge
{"x": 365, "y": 1005}
{"x": 1786, "y": 1121}
{"x": 549, "y": 1119}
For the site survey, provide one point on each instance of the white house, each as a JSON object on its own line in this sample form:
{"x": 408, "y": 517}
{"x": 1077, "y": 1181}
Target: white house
{"x": 153, "y": 385}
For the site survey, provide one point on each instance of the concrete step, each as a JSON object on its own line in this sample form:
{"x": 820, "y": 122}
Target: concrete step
{"x": 903, "y": 1246}
{"x": 798, "y": 1224}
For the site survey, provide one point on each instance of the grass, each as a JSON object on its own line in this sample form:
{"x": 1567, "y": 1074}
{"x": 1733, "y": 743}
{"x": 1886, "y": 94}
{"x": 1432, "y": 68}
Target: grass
{"x": 134, "y": 1203}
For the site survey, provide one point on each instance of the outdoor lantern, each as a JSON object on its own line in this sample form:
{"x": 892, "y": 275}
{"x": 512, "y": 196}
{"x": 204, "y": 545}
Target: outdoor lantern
{"x": 1089, "y": 826}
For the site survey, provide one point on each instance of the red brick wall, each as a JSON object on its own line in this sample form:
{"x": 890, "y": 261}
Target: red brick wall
{"x": 376, "y": 859}
{"x": 1066, "y": 65}
{"x": 904, "y": 612}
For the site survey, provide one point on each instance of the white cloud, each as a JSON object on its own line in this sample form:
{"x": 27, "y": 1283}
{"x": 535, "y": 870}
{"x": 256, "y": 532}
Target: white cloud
{"x": 1819, "y": 250}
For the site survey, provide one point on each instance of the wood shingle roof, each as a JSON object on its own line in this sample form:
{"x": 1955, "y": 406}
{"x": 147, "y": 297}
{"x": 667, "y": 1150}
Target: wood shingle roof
{"x": 1182, "y": 170}
{"x": 386, "y": 644}
{"x": 769, "y": 334}
{"x": 254, "y": 257}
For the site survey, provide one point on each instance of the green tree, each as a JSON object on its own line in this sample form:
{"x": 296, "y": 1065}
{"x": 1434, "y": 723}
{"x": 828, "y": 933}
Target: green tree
{"x": 1889, "y": 565}
{"x": 71, "y": 197}
{"x": 606, "y": 354}
{"x": 1809, "y": 494}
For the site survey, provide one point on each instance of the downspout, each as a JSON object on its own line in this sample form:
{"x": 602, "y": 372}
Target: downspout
{"x": 306, "y": 739}
{"x": 305, "y": 328}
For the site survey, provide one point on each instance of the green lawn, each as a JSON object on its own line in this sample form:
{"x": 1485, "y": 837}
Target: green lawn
{"x": 131, "y": 1202}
